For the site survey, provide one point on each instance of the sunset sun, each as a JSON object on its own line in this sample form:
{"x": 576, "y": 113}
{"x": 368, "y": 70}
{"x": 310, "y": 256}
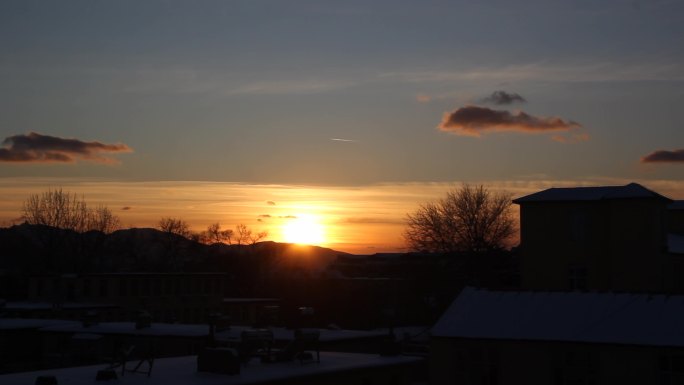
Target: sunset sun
{"x": 304, "y": 230}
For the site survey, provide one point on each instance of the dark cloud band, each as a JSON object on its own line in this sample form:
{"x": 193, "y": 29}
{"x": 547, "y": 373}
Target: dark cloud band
{"x": 503, "y": 98}
{"x": 475, "y": 120}
{"x": 664, "y": 156}
{"x": 37, "y": 148}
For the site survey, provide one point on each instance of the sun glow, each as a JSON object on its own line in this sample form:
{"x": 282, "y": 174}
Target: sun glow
{"x": 305, "y": 230}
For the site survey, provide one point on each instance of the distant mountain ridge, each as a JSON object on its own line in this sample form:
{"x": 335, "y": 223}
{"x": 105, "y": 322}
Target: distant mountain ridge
{"x": 41, "y": 249}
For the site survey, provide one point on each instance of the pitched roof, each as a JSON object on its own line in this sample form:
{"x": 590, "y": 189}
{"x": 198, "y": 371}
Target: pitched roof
{"x": 632, "y": 190}
{"x": 613, "y": 318}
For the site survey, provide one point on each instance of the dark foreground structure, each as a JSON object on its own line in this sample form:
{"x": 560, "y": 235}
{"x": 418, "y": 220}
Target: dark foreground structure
{"x": 600, "y": 300}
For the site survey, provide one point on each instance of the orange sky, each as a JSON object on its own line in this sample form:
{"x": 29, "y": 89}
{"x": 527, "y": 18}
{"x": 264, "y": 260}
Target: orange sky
{"x": 357, "y": 219}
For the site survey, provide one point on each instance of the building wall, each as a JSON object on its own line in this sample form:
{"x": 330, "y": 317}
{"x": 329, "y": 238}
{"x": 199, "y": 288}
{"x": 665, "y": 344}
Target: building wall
{"x": 489, "y": 362}
{"x": 597, "y": 245}
{"x": 675, "y": 221}
{"x": 186, "y": 298}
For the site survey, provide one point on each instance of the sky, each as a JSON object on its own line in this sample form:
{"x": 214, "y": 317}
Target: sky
{"x": 348, "y": 107}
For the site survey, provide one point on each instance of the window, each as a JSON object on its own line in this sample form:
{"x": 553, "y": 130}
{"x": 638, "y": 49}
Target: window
{"x": 103, "y": 288}
{"x": 86, "y": 288}
{"x": 476, "y": 365}
{"x": 577, "y": 278}
{"x": 578, "y": 226}
{"x": 122, "y": 287}
{"x": 671, "y": 369}
{"x": 576, "y": 366}
{"x": 134, "y": 287}
{"x": 145, "y": 283}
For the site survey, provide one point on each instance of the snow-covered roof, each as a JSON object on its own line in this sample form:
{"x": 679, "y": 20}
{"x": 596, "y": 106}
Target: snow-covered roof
{"x": 240, "y": 300}
{"x": 675, "y": 243}
{"x": 29, "y": 305}
{"x": 555, "y": 194}
{"x": 326, "y": 335}
{"x": 128, "y": 328}
{"x": 31, "y": 323}
{"x": 613, "y": 318}
{"x": 183, "y": 370}
{"x": 201, "y": 330}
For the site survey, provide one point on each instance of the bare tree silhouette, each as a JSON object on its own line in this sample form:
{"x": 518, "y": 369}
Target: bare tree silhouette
{"x": 469, "y": 219}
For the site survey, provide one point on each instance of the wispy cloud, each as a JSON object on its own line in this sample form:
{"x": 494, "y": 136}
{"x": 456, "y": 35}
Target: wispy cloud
{"x": 372, "y": 220}
{"x": 503, "y": 98}
{"x": 573, "y": 72}
{"x": 202, "y": 81}
{"x": 423, "y": 98}
{"x": 37, "y": 148}
{"x": 282, "y": 87}
{"x": 571, "y": 138}
{"x": 343, "y": 140}
{"x": 664, "y": 156}
{"x": 476, "y": 120}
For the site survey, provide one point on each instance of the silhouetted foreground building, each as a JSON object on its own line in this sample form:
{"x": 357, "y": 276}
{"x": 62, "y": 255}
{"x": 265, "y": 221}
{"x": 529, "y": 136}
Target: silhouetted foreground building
{"x": 614, "y": 238}
{"x": 599, "y": 266}
{"x": 490, "y": 337}
{"x": 167, "y": 297}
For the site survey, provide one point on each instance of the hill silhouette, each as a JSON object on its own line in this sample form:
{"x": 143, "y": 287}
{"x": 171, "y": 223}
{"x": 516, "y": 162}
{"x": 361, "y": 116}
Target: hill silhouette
{"x": 34, "y": 249}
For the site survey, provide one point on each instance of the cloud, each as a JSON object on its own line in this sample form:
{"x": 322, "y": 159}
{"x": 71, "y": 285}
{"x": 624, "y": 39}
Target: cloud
{"x": 270, "y": 203}
{"x": 37, "y": 148}
{"x": 126, "y": 208}
{"x": 475, "y": 120}
{"x": 367, "y": 220}
{"x": 502, "y": 98}
{"x": 423, "y": 98}
{"x": 288, "y": 216}
{"x": 264, "y": 215}
{"x": 544, "y": 71}
{"x": 664, "y": 156}
{"x": 342, "y": 140}
{"x": 572, "y": 138}
{"x": 297, "y": 86}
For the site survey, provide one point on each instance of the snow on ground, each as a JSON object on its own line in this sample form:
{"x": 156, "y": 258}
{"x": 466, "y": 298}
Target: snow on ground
{"x": 183, "y": 371}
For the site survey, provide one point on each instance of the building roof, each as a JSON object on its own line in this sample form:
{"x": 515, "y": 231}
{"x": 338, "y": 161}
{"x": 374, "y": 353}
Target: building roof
{"x": 243, "y": 300}
{"x": 611, "y": 318}
{"x": 33, "y": 305}
{"x": 676, "y": 205}
{"x": 572, "y": 194}
{"x": 31, "y": 323}
{"x": 183, "y": 370}
{"x": 199, "y": 330}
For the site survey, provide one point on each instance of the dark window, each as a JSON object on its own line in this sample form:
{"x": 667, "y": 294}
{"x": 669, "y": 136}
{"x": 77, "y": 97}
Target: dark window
{"x": 577, "y": 278}
{"x": 145, "y": 286}
{"x": 123, "y": 288}
{"x": 671, "y": 369}
{"x": 134, "y": 287}
{"x": 578, "y": 226}
{"x": 476, "y": 365}
{"x": 576, "y": 366}
{"x": 103, "y": 288}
